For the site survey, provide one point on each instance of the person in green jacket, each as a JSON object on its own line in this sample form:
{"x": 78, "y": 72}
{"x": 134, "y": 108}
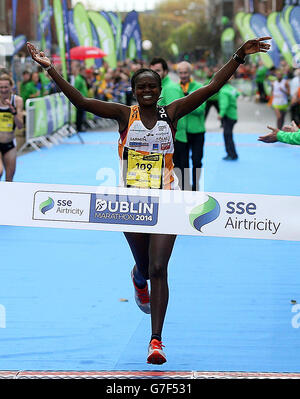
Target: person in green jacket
{"x": 81, "y": 86}
{"x": 27, "y": 88}
{"x": 228, "y": 115}
{"x": 171, "y": 91}
{"x": 260, "y": 77}
{"x": 289, "y": 134}
{"x": 190, "y": 131}
{"x": 45, "y": 82}
{"x": 212, "y": 101}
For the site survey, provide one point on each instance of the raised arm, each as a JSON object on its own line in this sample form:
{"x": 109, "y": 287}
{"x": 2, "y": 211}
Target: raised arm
{"x": 103, "y": 109}
{"x": 185, "y": 105}
{"x": 19, "y": 110}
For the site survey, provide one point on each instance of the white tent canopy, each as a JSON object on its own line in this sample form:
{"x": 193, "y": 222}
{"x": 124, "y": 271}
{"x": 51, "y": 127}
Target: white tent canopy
{"x": 6, "y": 45}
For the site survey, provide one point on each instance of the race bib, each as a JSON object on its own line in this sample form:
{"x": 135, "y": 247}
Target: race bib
{"x": 144, "y": 171}
{"x": 6, "y": 122}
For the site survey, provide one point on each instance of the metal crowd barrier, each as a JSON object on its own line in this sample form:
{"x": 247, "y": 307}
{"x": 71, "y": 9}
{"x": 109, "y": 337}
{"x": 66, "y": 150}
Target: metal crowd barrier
{"x": 48, "y": 121}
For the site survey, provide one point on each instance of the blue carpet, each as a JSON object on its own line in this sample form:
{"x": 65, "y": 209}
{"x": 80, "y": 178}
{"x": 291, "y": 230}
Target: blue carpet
{"x": 230, "y": 299}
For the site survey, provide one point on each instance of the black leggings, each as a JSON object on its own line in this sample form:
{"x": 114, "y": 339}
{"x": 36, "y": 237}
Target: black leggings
{"x": 196, "y": 145}
{"x": 209, "y": 104}
{"x": 228, "y": 125}
{"x": 181, "y": 160}
{"x": 151, "y": 253}
{"x": 295, "y": 113}
{"x": 80, "y": 115}
{"x": 181, "y": 163}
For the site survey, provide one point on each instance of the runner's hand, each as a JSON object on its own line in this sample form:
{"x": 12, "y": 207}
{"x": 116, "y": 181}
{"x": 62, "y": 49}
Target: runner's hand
{"x": 9, "y": 104}
{"x": 254, "y": 46}
{"x": 271, "y": 137}
{"x": 38, "y": 56}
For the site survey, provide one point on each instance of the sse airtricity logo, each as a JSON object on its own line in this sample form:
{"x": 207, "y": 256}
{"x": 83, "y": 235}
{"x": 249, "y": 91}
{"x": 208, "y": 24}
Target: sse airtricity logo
{"x": 204, "y": 213}
{"x": 46, "y": 205}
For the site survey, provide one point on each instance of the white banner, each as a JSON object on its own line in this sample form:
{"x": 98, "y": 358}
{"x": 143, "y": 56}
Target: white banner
{"x": 153, "y": 211}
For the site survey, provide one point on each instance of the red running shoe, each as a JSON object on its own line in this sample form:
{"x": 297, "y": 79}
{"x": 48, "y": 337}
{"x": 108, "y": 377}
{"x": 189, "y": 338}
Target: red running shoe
{"x": 155, "y": 352}
{"x": 142, "y": 297}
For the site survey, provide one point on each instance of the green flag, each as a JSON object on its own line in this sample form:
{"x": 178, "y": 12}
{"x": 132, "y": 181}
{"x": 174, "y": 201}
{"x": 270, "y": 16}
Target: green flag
{"x": 131, "y": 52}
{"x": 239, "y": 23}
{"x": 288, "y": 30}
{"x": 242, "y": 21}
{"x": 272, "y": 23}
{"x": 106, "y": 37}
{"x": 117, "y": 21}
{"x": 286, "y": 13}
{"x": 60, "y": 32}
{"x": 227, "y": 44}
{"x": 83, "y": 29}
{"x": 244, "y": 28}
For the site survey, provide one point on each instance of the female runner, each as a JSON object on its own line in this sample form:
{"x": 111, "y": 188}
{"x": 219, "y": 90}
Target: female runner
{"x": 140, "y": 128}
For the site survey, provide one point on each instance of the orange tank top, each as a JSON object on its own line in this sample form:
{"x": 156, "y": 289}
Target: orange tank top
{"x": 146, "y": 155}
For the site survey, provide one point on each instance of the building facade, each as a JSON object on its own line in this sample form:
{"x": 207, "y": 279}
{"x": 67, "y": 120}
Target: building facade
{"x": 27, "y": 15}
{"x": 229, "y": 8}
{"x": 26, "y": 20}
{"x": 264, "y": 7}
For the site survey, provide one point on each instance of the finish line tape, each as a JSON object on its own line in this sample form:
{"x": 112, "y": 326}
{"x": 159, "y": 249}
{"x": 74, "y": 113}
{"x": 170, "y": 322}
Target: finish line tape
{"x": 234, "y": 215}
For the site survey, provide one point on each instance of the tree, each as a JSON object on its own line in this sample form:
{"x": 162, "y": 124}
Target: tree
{"x": 182, "y": 22}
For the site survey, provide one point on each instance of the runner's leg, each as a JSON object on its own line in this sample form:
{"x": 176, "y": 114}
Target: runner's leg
{"x": 1, "y": 166}
{"x": 281, "y": 119}
{"x": 278, "y": 118}
{"x": 160, "y": 249}
{"x": 139, "y": 245}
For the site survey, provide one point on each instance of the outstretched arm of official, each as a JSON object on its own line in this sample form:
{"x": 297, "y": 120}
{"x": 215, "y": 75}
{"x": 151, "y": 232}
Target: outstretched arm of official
{"x": 289, "y": 135}
{"x": 103, "y": 109}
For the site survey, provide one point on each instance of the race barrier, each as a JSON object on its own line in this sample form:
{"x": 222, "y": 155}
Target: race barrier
{"x": 248, "y": 88}
{"x": 252, "y": 216}
{"x": 48, "y": 121}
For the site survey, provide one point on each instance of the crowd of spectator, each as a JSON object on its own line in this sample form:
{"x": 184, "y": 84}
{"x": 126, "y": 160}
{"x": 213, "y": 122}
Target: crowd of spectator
{"x": 109, "y": 84}
{"x": 259, "y": 81}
